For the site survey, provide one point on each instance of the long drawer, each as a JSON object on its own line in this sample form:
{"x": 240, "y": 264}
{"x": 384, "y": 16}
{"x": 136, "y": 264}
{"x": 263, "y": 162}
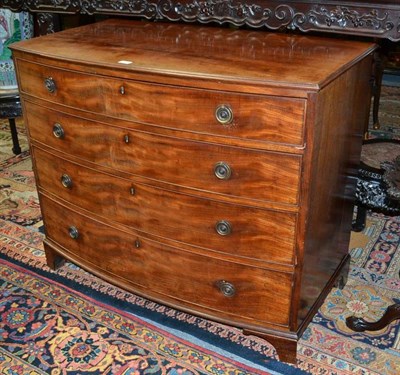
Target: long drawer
{"x": 236, "y": 230}
{"x": 211, "y": 285}
{"x": 198, "y": 165}
{"x": 248, "y": 116}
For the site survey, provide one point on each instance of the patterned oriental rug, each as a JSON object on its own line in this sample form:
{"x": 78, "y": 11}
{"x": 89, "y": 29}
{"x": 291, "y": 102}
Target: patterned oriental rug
{"x": 71, "y": 322}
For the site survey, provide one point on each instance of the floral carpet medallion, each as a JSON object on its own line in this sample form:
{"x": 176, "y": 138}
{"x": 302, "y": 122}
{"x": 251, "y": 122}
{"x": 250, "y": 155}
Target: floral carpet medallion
{"x": 63, "y": 332}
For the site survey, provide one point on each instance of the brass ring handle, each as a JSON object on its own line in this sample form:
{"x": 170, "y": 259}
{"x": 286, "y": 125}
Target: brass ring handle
{"x": 58, "y": 131}
{"x": 66, "y": 181}
{"x": 50, "y": 84}
{"x": 226, "y": 288}
{"x": 224, "y": 114}
{"x": 222, "y": 170}
{"x": 73, "y": 232}
{"x": 223, "y": 228}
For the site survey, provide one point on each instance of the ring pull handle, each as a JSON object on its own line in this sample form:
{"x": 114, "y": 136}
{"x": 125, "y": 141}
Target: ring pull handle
{"x": 73, "y": 232}
{"x": 50, "y": 84}
{"x": 226, "y": 288}
{"x": 222, "y": 170}
{"x": 224, "y": 114}
{"x": 223, "y": 228}
{"x": 66, "y": 181}
{"x": 58, "y": 131}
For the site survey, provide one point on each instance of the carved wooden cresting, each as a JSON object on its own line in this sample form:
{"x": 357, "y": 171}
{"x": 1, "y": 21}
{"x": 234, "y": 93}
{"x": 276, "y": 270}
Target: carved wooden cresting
{"x": 206, "y": 168}
{"x": 380, "y": 19}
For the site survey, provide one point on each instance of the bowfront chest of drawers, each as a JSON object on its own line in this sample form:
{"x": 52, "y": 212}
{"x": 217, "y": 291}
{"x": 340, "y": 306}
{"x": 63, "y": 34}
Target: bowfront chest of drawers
{"x": 205, "y": 168}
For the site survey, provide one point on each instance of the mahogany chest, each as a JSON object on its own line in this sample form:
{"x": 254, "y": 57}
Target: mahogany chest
{"x": 208, "y": 169}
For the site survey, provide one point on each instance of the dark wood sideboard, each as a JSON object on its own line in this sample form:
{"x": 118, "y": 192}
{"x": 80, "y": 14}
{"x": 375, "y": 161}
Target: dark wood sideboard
{"x": 370, "y": 18}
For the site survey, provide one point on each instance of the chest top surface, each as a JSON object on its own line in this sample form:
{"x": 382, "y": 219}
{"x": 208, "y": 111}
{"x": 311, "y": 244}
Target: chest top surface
{"x": 203, "y": 52}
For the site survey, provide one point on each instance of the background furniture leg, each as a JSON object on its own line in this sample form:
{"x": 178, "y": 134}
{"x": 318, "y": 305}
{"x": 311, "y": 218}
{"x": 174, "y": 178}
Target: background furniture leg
{"x": 378, "y": 70}
{"x": 14, "y": 135}
{"x": 360, "y": 325}
{"x": 359, "y": 223}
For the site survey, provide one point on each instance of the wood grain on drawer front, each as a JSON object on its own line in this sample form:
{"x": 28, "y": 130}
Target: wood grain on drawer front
{"x": 256, "y": 233}
{"x": 254, "y": 116}
{"x": 173, "y": 160}
{"x": 163, "y": 270}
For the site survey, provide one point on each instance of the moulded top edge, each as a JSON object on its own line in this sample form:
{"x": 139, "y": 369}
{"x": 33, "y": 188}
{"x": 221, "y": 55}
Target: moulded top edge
{"x": 199, "y": 51}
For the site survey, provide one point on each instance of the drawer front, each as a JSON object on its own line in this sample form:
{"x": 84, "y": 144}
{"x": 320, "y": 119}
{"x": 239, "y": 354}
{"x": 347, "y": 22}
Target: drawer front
{"x": 239, "y": 231}
{"x": 195, "y": 281}
{"x": 254, "y": 116}
{"x": 185, "y": 163}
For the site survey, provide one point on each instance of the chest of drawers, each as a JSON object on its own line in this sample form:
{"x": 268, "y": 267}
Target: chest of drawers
{"x": 208, "y": 169}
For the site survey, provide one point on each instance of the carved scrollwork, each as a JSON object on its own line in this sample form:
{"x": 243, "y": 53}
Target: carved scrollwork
{"x": 235, "y": 12}
{"x": 370, "y": 20}
{"x": 45, "y": 22}
{"x": 222, "y": 11}
{"x": 144, "y": 8}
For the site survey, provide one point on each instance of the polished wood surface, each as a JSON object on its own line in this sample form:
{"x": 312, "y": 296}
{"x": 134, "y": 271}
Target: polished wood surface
{"x": 213, "y": 54}
{"x": 125, "y": 160}
{"x": 255, "y": 171}
{"x": 150, "y": 210}
{"x": 285, "y": 115}
{"x": 332, "y": 189}
{"x": 152, "y": 268}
